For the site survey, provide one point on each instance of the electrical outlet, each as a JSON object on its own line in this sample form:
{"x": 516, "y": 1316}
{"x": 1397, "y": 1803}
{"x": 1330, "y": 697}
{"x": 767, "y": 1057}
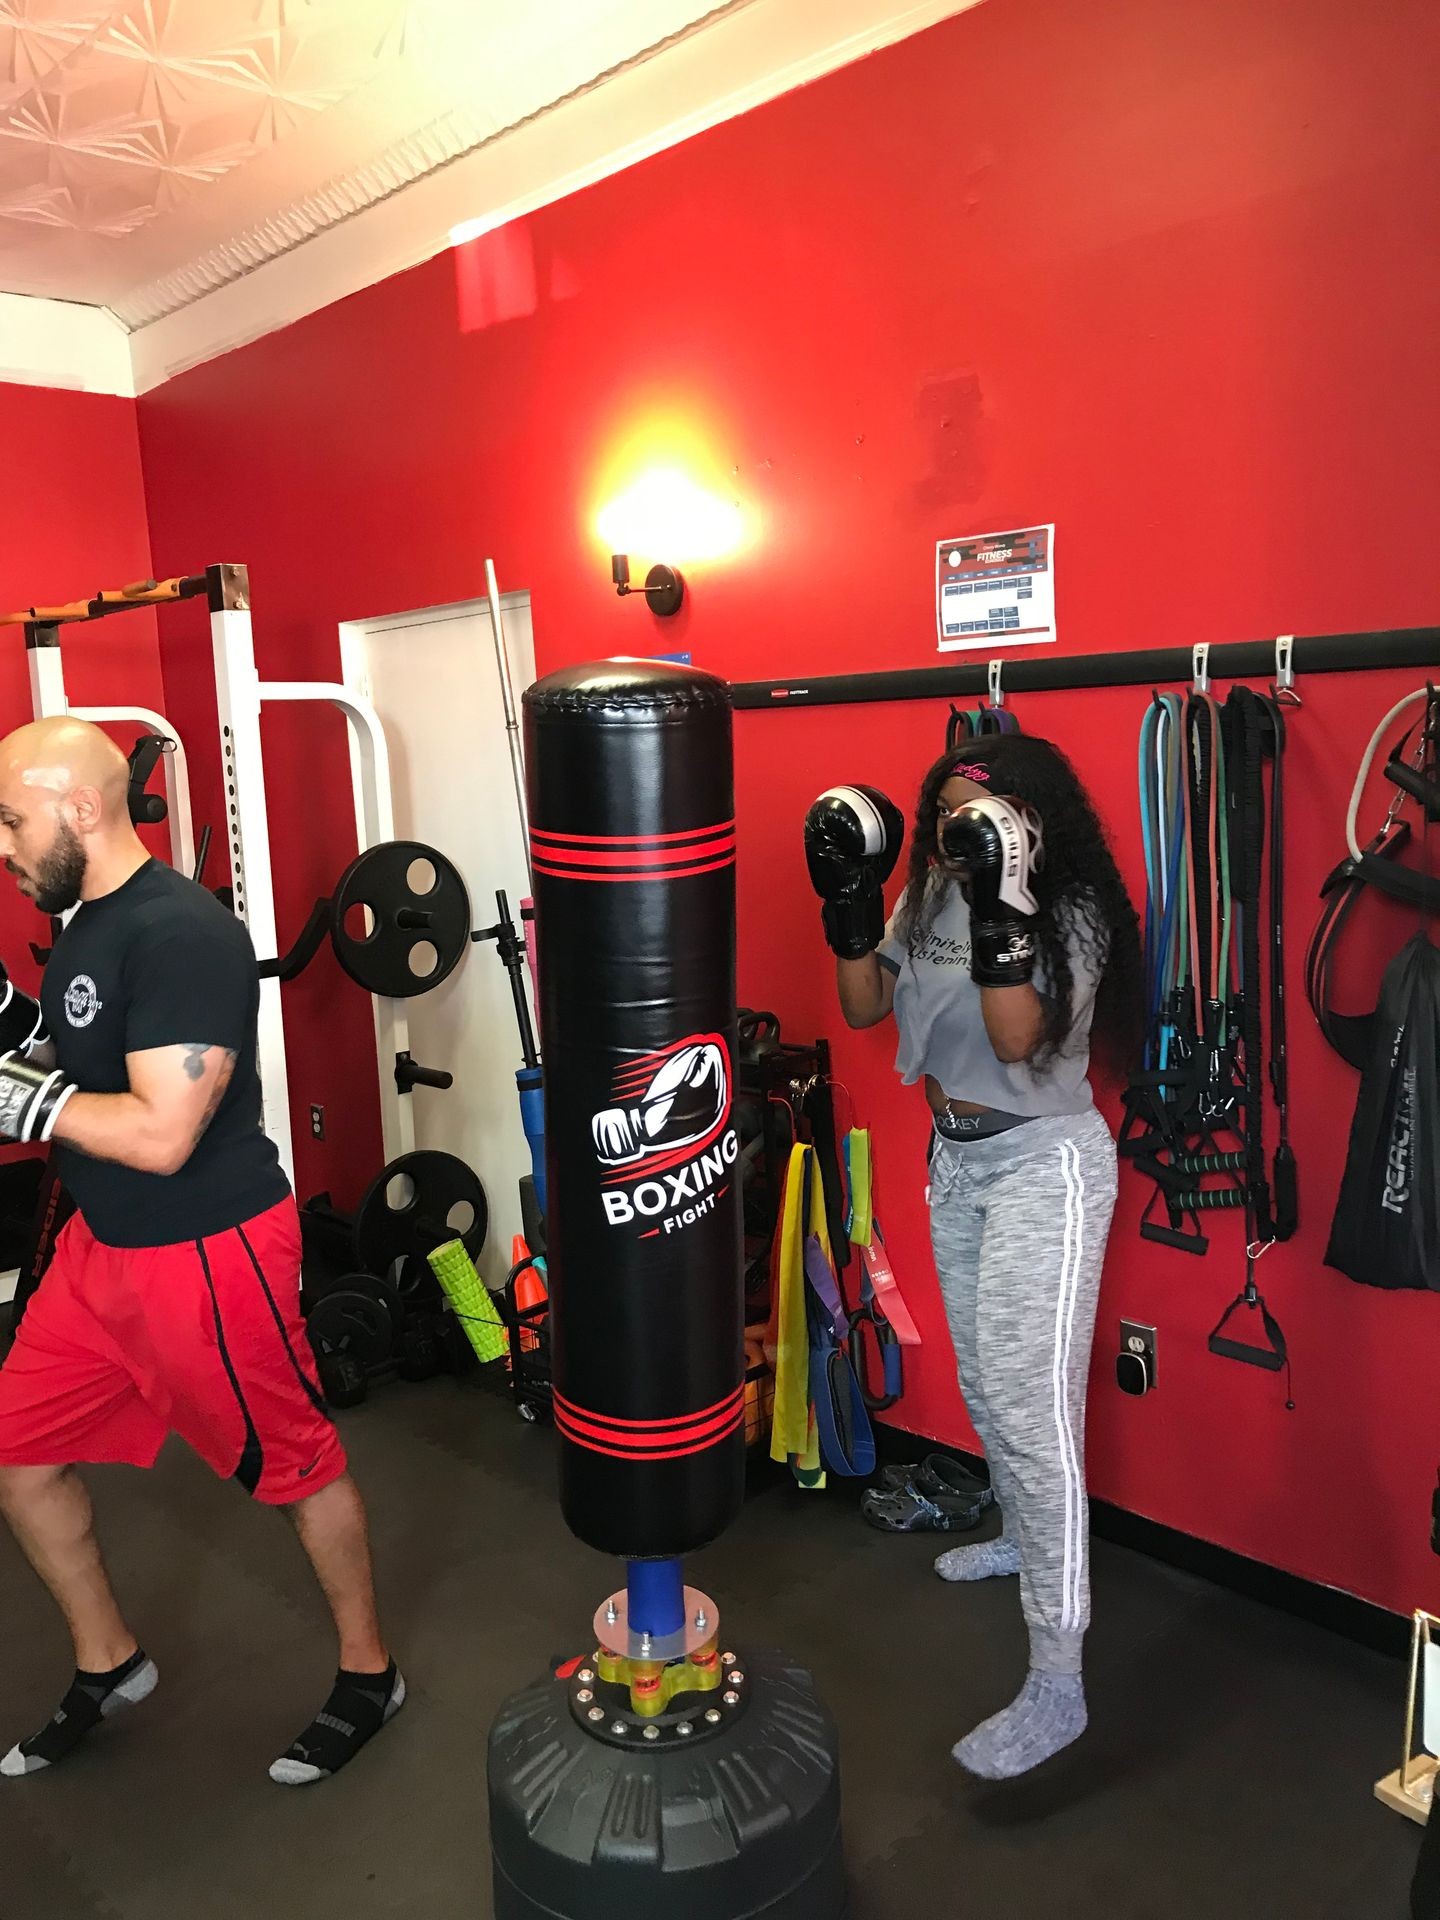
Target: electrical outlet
{"x": 317, "y": 1122}
{"x": 1136, "y": 1367}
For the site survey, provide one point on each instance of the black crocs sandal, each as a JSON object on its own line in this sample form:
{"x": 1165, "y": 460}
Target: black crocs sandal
{"x": 910, "y": 1511}
{"x": 936, "y": 1475}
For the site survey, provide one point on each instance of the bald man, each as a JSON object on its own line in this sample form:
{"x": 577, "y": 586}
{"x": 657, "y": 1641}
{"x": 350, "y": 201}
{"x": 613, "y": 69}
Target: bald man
{"x": 172, "y": 1304}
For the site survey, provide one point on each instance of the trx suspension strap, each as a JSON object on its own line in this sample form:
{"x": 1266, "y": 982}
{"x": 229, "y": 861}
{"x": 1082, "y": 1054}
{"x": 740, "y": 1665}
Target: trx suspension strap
{"x": 1284, "y": 1174}
{"x": 1256, "y": 729}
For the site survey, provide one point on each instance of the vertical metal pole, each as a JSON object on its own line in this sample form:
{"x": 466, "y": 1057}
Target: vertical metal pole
{"x": 237, "y": 695}
{"x": 507, "y": 695}
{"x": 374, "y": 823}
{"x": 392, "y": 1022}
{"x": 47, "y": 673}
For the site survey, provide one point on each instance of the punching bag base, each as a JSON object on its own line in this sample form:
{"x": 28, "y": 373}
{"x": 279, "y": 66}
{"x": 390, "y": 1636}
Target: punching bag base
{"x": 745, "y": 1824}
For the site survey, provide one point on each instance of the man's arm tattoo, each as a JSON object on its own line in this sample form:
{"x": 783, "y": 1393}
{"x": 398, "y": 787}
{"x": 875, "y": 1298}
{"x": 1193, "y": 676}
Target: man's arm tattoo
{"x": 196, "y": 1054}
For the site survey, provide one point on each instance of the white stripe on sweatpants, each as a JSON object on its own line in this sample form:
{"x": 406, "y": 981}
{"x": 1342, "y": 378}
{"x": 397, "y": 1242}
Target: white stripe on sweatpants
{"x": 1064, "y": 1333}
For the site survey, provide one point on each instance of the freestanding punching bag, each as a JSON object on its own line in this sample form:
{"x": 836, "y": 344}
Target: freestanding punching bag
{"x": 633, "y": 849}
{"x": 656, "y": 1774}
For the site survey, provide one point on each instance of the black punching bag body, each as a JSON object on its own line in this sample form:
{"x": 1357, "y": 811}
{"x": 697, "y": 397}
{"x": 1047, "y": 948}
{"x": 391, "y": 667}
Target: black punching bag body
{"x": 655, "y": 1776}
{"x": 632, "y": 822}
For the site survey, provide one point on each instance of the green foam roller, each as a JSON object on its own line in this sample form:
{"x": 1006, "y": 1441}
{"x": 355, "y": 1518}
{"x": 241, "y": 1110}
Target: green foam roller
{"x": 470, "y": 1297}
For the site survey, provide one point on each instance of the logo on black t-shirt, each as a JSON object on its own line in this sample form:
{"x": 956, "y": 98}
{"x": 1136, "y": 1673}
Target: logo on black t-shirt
{"x": 82, "y": 1001}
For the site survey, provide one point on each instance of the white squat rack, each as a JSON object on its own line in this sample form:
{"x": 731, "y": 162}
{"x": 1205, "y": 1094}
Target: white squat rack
{"x": 240, "y": 696}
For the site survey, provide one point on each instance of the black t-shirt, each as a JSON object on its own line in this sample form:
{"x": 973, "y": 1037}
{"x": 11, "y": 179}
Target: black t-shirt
{"x": 160, "y": 963}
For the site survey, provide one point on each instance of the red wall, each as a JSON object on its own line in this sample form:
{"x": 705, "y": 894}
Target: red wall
{"x": 73, "y": 521}
{"x": 1156, "y": 273}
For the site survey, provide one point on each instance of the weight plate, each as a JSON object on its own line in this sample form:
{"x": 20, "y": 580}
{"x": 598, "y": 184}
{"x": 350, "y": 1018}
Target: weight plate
{"x": 354, "y": 1319}
{"x": 406, "y": 1214}
{"x": 379, "y": 1285}
{"x": 404, "y": 918}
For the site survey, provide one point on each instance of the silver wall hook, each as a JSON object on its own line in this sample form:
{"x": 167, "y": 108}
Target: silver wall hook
{"x": 1285, "y": 671}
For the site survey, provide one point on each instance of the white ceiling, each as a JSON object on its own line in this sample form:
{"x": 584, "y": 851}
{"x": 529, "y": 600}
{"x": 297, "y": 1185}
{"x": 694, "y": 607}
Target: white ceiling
{"x": 197, "y": 173}
{"x": 151, "y": 150}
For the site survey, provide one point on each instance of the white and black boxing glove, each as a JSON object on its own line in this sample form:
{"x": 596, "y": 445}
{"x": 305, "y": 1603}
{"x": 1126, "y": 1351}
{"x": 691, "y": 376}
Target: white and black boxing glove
{"x": 683, "y": 1103}
{"x": 853, "y": 837}
{"x": 22, "y": 1025}
{"x": 1000, "y": 844}
{"x": 30, "y": 1098}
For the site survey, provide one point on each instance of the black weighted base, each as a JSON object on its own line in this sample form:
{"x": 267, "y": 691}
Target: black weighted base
{"x": 745, "y": 1824}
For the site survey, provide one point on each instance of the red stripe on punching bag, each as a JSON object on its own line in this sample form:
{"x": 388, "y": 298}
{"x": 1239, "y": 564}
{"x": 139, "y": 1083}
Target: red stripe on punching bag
{"x": 642, "y": 859}
{"x": 616, "y": 1446}
{"x": 556, "y": 842}
{"x": 685, "y": 1422}
{"x": 634, "y": 873}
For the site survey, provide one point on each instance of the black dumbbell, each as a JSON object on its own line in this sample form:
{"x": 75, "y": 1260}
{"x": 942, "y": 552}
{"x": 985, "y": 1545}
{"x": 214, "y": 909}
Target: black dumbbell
{"x": 342, "y": 1379}
{"x": 420, "y": 1349}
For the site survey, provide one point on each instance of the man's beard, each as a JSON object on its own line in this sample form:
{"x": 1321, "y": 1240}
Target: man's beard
{"x": 61, "y": 874}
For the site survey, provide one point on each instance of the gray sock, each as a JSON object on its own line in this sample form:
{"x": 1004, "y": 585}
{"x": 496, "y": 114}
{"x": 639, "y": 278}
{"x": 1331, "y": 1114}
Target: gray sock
{"x": 983, "y": 1560}
{"x": 1046, "y": 1715}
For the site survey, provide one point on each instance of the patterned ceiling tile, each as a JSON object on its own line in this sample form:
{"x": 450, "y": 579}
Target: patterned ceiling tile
{"x": 180, "y": 142}
{"x": 36, "y": 35}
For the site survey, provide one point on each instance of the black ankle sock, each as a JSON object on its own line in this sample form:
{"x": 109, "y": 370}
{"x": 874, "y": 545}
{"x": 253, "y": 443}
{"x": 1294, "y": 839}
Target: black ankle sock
{"x": 92, "y": 1697}
{"x": 358, "y": 1707}
{"x": 107, "y": 1682}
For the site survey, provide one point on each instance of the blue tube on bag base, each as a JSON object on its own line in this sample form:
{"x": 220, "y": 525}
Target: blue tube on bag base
{"x": 656, "y": 1596}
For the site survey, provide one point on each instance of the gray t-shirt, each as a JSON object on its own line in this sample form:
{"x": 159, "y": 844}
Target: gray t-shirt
{"x": 942, "y": 1030}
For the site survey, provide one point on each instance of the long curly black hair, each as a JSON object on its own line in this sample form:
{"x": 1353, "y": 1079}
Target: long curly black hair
{"x": 1081, "y": 897}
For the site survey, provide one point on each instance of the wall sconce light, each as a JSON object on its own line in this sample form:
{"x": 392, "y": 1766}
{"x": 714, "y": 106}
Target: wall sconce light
{"x": 664, "y": 590}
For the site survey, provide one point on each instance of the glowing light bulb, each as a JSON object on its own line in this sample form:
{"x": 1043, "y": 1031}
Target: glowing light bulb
{"x": 665, "y": 515}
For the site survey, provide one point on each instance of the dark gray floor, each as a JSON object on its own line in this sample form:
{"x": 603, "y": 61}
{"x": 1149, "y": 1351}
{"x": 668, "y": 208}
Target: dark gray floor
{"x": 1227, "y": 1772}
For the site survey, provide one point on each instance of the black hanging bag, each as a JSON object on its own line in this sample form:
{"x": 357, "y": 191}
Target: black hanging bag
{"x": 1386, "y": 1231}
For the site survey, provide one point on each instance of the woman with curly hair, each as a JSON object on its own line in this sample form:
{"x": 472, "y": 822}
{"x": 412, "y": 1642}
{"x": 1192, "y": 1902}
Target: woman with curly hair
{"x": 1014, "y": 948}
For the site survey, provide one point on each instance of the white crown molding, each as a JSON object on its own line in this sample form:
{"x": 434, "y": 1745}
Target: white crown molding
{"x": 59, "y": 343}
{"x": 736, "y": 59}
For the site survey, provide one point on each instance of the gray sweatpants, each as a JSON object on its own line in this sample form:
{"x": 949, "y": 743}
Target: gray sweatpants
{"x": 1018, "y": 1223}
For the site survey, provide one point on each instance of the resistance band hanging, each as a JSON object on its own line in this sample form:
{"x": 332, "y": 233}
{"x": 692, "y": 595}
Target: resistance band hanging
{"x": 1185, "y": 1101}
{"x": 977, "y": 723}
{"x": 1203, "y": 808}
{"x": 1195, "y": 1109}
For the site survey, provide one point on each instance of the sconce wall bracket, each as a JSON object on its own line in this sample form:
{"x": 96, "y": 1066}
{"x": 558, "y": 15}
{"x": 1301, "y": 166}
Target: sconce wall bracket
{"x": 664, "y": 588}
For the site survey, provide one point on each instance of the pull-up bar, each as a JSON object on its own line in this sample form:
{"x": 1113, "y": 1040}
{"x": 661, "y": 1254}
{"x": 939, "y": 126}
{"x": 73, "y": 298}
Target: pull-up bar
{"x": 141, "y": 593}
{"x": 1233, "y": 660}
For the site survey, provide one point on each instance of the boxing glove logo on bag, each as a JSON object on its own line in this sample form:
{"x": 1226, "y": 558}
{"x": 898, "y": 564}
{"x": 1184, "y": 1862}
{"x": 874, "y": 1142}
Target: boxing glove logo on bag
{"x": 667, "y": 1141}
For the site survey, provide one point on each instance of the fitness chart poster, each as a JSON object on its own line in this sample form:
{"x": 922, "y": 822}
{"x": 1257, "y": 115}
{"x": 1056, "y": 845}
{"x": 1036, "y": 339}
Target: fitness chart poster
{"x": 995, "y": 586}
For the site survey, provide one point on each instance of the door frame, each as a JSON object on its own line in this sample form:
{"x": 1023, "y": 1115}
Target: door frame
{"x": 392, "y": 1025}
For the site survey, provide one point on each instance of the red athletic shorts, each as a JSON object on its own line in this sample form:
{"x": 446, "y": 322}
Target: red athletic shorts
{"x": 122, "y": 1345}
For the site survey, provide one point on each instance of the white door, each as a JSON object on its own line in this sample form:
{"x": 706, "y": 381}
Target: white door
{"x": 435, "y": 684}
